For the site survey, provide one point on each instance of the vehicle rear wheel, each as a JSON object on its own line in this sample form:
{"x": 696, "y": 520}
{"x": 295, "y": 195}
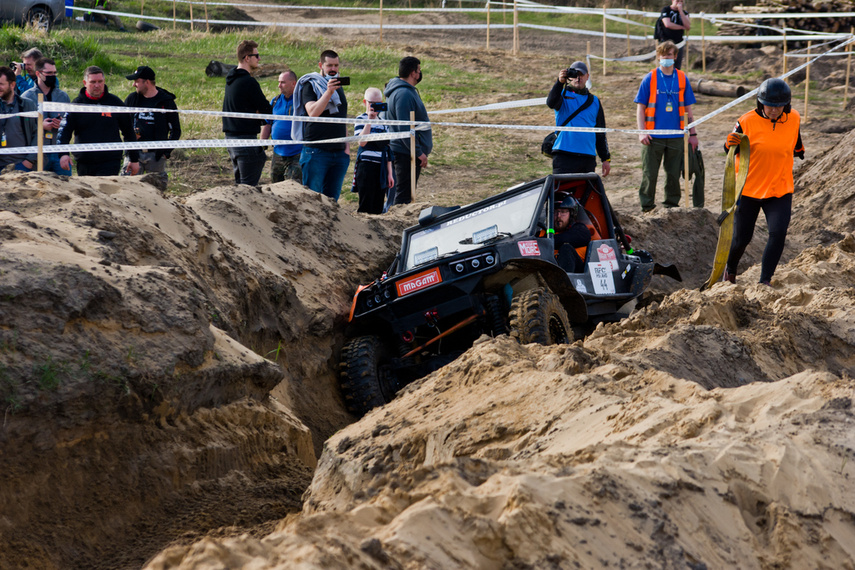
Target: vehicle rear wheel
{"x": 40, "y": 18}
{"x": 364, "y": 382}
{"x": 537, "y": 315}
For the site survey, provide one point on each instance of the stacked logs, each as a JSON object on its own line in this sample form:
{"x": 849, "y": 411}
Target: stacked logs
{"x": 831, "y": 25}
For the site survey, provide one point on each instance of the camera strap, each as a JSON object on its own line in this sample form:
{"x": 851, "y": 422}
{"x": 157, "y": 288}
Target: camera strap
{"x": 581, "y": 108}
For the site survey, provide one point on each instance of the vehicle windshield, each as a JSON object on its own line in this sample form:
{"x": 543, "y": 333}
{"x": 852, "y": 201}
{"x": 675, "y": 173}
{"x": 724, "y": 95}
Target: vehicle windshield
{"x": 473, "y": 229}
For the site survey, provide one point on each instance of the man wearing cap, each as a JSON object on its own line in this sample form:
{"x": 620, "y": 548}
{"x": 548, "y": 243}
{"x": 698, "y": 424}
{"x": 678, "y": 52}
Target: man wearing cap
{"x": 153, "y": 126}
{"x": 98, "y": 127}
{"x": 575, "y": 106}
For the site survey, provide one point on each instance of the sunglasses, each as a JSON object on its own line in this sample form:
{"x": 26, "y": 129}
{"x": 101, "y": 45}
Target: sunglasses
{"x": 258, "y": 55}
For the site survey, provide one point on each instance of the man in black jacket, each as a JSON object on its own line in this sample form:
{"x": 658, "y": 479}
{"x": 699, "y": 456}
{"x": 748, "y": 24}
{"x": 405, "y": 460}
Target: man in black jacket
{"x": 244, "y": 95}
{"x": 98, "y": 128}
{"x": 153, "y": 126}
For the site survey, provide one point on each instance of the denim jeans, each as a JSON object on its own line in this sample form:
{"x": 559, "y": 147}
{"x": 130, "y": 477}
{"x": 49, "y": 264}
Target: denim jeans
{"x": 324, "y": 170}
{"x": 51, "y": 164}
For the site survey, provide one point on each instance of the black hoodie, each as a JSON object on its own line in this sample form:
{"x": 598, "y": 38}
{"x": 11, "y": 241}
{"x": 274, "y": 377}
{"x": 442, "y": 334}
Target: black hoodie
{"x": 243, "y": 95}
{"x": 155, "y": 126}
{"x": 98, "y": 128}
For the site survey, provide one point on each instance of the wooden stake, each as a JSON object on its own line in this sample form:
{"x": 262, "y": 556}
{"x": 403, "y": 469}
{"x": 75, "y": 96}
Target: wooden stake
{"x": 588, "y": 53}
{"x": 807, "y": 83}
{"x": 40, "y": 161}
{"x": 192, "y": 28}
{"x": 381, "y": 20}
{"x": 488, "y": 24}
{"x": 207, "y": 24}
{"x": 686, "y": 156}
{"x": 142, "y": 7}
{"x": 413, "y": 156}
{"x": 604, "y": 41}
{"x": 703, "y": 46}
{"x": 784, "y": 63}
{"x": 848, "y": 68}
{"x": 626, "y": 15}
{"x": 516, "y": 29}
{"x": 173, "y": 14}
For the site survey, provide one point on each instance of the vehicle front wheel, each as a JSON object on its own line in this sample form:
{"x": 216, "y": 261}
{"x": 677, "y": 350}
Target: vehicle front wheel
{"x": 40, "y": 18}
{"x": 365, "y": 383}
{"x": 537, "y": 315}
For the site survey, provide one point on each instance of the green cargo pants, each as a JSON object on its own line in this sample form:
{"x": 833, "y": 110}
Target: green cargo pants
{"x": 668, "y": 152}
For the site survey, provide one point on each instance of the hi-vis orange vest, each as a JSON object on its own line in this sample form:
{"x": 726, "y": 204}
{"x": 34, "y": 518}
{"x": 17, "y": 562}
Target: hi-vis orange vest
{"x": 650, "y": 111}
{"x": 770, "y": 170}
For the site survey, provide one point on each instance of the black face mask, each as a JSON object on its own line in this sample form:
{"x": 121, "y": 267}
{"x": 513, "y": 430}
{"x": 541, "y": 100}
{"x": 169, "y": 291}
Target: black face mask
{"x": 50, "y": 81}
{"x": 421, "y": 74}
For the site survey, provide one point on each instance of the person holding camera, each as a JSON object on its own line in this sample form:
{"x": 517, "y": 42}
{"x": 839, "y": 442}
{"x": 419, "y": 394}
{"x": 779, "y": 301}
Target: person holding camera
{"x": 25, "y": 70}
{"x": 320, "y": 94}
{"x": 373, "y": 169}
{"x": 675, "y": 22}
{"x": 47, "y": 86}
{"x": 575, "y": 106}
{"x": 286, "y": 157}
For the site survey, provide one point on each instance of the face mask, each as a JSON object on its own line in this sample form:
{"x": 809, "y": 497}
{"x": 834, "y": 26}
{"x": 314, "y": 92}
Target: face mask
{"x": 330, "y": 76}
{"x": 50, "y": 81}
{"x": 419, "y": 80}
{"x": 664, "y": 62}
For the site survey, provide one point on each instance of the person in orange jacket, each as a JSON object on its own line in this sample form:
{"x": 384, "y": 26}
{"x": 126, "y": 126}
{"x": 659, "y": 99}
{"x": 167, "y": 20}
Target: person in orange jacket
{"x": 773, "y": 131}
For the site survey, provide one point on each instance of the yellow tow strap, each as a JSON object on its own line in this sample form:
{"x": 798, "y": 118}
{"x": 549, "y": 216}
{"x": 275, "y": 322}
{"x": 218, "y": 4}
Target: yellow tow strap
{"x": 732, "y": 190}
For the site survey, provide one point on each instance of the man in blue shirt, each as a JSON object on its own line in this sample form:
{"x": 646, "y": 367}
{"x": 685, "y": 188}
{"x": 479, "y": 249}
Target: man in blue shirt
{"x": 664, "y": 95}
{"x": 286, "y": 157}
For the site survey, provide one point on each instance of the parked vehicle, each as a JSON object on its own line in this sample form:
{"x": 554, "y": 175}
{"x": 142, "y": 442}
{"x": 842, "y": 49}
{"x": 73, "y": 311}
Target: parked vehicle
{"x": 43, "y": 14}
{"x": 489, "y": 267}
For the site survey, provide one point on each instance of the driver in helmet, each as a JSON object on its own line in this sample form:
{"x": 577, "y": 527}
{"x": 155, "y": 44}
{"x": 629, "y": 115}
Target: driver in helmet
{"x": 570, "y": 234}
{"x": 775, "y": 139}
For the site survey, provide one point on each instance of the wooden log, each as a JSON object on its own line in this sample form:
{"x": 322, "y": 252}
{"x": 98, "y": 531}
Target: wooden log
{"x": 717, "y": 88}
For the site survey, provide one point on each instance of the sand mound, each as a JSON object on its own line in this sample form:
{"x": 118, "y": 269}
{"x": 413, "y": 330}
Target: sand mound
{"x": 659, "y": 442}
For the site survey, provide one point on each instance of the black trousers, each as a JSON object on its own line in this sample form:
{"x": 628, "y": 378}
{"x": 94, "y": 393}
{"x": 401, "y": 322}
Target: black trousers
{"x": 777, "y": 212}
{"x": 404, "y": 192}
{"x": 101, "y": 168}
{"x": 368, "y": 185}
{"x": 566, "y": 163}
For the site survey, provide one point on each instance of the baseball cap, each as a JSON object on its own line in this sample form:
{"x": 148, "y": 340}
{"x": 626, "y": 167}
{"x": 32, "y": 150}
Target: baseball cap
{"x": 142, "y": 72}
{"x": 580, "y": 66}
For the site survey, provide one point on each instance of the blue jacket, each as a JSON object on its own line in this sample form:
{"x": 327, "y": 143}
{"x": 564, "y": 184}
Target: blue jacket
{"x": 403, "y": 98}
{"x": 565, "y": 102}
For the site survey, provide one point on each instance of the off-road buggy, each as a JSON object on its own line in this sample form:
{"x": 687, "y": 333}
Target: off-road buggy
{"x": 488, "y": 268}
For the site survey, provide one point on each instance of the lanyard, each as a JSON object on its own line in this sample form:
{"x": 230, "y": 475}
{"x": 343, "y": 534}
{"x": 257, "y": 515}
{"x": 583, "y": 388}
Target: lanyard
{"x": 669, "y": 91}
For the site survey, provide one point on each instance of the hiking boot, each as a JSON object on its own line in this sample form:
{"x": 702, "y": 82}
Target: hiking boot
{"x": 728, "y": 276}
{"x": 766, "y": 282}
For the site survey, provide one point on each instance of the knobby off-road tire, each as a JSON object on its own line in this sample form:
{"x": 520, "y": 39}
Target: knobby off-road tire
{"x": 537, "y": 315}
{"x": 364, "y": 385}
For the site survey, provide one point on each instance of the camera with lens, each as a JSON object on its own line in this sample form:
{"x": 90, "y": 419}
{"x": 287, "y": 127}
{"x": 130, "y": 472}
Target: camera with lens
{"x": 378, "y": 107}
{"x": 572, "y": 73}
{"x": 13, "y": 65}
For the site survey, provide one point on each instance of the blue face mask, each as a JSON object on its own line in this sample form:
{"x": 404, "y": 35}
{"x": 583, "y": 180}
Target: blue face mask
{"x": 664, "y": 62}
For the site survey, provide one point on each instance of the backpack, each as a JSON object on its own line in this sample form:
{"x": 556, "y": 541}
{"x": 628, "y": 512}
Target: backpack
{"x": 657, "y": 30}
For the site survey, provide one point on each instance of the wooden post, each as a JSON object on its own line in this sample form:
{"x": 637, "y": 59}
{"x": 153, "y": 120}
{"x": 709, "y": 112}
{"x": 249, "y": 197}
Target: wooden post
{"x": 40, "y": 161}
{"x": 381, "y": 20}
{"x": 173, "y": 14}
{"x": 192, "y": 28}
{"x": 516, "y": 29}
{"x": 703, "y": 46}
{"x": 413, "y": 157}
{"x": 686, "y": 156}
{"x": 807, "y": 83}
{"x": 207, "y": 24}
{"x": 142, "y": 7}
{"x": 588, "y": 53}
{"x": 488, "y": 24}
{"x": 848, "y": 68}
{"x": 784, "y": 63}
{"x": 604, "y": 41}
{"x": 626, "y": 15}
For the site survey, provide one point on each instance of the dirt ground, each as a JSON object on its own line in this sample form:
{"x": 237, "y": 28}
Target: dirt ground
{"x": 168, "y": 378}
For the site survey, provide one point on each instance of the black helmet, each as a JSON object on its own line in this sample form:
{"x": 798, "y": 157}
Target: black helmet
{"x": 570, "y": 203}
{"x": 775, "y": 93}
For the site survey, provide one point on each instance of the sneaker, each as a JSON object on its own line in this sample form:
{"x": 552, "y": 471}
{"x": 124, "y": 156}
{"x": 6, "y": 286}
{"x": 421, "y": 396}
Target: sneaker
{"x": 728, "y": 276}
{"x": 766, "y": 282}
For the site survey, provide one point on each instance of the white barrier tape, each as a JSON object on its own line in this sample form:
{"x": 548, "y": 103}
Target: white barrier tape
{"x": 33, "y": 114}
{"x": 762, "y": 27}
{"x": 495, "y": 106}
{"x": 750, "y": 94}
{"x": 205, "y": 143}
{"x": 640, "y": 57}
{"x": 813, "y": 47}
{"x": 49, "y": 106}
